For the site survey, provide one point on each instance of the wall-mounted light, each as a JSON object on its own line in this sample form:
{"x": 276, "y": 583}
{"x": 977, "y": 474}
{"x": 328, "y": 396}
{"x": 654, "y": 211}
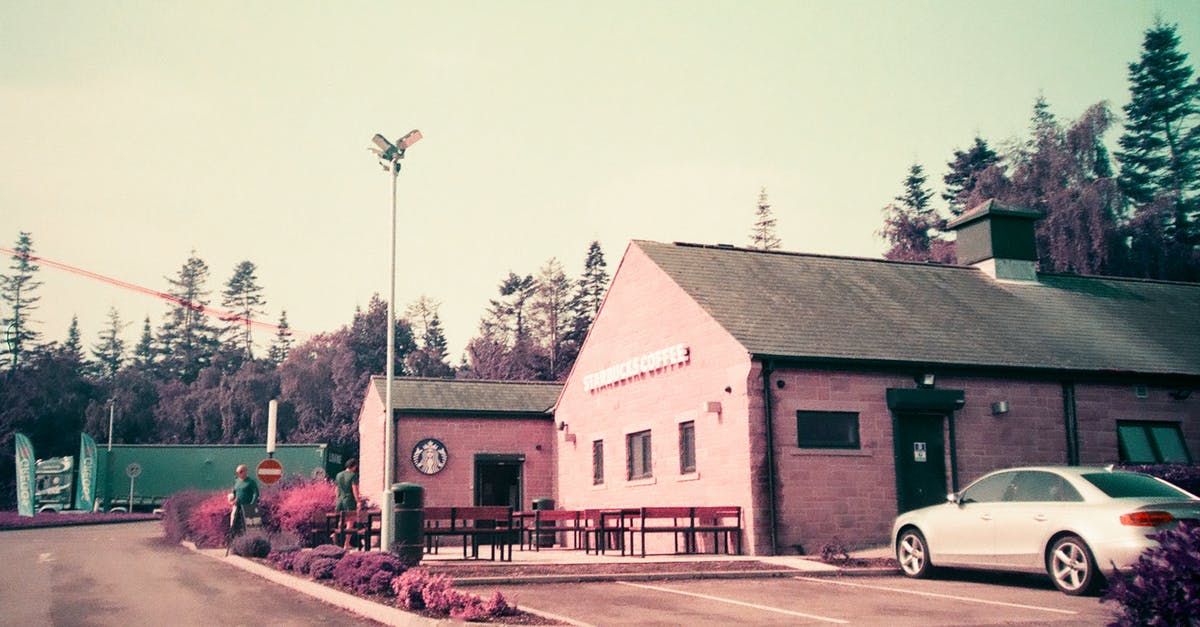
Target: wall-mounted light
{"x": 728, "y": 389}
{"x": 562, "y": 426}
{"x": 779, "y": 384}
{"x": 1180, "y": 394}
{"x": 925, "y": 380}
{"x": 999, "y": 407}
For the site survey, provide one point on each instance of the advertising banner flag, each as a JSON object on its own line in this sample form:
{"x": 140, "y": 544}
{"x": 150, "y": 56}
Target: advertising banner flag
{"x": 85, "y": 493}
{"x": 25, "y": 483}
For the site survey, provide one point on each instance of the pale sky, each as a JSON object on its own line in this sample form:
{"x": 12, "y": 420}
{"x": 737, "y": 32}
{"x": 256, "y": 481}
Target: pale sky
{"x": 132, "y": 133}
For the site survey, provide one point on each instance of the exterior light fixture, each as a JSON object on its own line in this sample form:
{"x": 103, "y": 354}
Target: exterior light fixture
{"x": 999, "y": 407}
{"x": 925, "y": 380}
{"x": 389, "y": 158}
{"x": 1180, "y": 394}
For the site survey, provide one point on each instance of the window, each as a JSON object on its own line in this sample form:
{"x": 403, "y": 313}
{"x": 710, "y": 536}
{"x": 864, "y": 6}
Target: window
{"x": 638, "y": 448}
{"x": 687, "y": 447}
{"x": 1037, "y": 486}
{"x": 1144, "y": 442}
{"x": 989, "y": 489}
{"x": 1120, "y": 485}
{"x": 827, "y": 429}
{"x": 598, "y": 462}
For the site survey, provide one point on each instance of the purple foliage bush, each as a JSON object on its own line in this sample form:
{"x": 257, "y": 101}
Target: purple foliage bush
{"x": 176, "y": 511}
{"x": 209, "y": 521}
{"x": 368, "y": 573}
{"x": 1185, "y": 476}
{"x": 301, "y": 560}
{"x": 284, "y": 559}
{"x": 292, "y": 507}
{"x": 251, "y": 544}
{"x": 1164, "y": 585}
{"x": 285, "y": 541}
{"x": 322, "y": 567}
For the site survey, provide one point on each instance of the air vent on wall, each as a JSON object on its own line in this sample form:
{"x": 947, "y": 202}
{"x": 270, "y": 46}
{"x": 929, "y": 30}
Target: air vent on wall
{"x": 1140, "y": 391}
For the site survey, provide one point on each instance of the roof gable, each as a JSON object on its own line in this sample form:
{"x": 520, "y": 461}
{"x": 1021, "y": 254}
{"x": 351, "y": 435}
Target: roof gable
{"x": 837, "y": 308}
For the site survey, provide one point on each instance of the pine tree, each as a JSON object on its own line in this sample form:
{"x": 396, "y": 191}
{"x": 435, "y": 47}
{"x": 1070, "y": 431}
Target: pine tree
{"x": 429, "y": 359}
{"x": 244, "y": 298}
{"x": 187, "y": 341}
{"x": 73, "y": 346}
{"x": 589, "y": 293}
{"x": 552, "y": 312}
{"x": 763, "y": 235}
{"x": 144, "y": 353}
{"x": 964, "y": 176}
{"x": 1160, "y": 156}
{"x": 911, "y": 223}
{"x": 110, "y": 351}
{"x": 283, "y": 341}
{"x": 18, "y": 290}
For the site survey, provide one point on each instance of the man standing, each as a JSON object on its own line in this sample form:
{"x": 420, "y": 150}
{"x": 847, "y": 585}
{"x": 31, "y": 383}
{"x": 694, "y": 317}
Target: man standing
{"x": 244, "y": 498}
{"x": 348, "y": 498}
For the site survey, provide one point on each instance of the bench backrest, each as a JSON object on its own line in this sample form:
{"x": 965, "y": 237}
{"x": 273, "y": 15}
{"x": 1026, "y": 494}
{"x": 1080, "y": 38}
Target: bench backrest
{"x": 719, "y": 514}
{"x": 485, "y": 513}
{"x": 558, "y": 515}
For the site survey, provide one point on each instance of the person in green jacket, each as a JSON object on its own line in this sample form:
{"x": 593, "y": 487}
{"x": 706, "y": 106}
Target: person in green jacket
{"x": 348, "y": 499}
{"x": 244, "y": 498}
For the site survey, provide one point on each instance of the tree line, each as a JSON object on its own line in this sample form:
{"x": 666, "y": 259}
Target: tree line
{"x": 199, "y": 379}
{"x": 1140, "y": 219}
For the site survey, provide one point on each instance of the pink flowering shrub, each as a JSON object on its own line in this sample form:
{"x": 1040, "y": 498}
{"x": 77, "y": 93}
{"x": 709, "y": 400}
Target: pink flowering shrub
{"x": 292, "y": 508}
{"x": 208, "y": 522}
{"x": 368, "y": 573}
{"x": 416, "y": 589}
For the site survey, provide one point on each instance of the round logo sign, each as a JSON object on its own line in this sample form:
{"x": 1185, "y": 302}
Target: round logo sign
{"x": 133, "y": 470}
{"x": 429, "y": 456}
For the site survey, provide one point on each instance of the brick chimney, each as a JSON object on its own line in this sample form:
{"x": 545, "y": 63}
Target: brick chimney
{"x": 998, "y": 239}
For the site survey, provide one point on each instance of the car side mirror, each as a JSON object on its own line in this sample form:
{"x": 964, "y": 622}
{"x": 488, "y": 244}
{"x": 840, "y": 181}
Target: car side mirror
{"x": 953, "y": 498}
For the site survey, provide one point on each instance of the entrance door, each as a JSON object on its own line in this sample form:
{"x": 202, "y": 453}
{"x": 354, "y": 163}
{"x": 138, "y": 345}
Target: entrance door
{"x": 920, "y": 460}
{"x": 498, "y": 480}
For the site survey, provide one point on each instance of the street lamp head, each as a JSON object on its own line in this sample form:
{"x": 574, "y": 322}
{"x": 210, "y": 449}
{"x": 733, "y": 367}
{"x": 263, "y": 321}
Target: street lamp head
{"x": 411, "y": 138}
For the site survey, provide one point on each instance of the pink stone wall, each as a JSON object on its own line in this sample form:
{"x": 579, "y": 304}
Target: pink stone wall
{"x": 370, "y": 446}
{"x": 466, "y": 436}
{"x": 644, "y": 312}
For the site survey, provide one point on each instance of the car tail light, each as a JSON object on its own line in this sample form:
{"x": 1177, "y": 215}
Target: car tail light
{"x": 1146, "y": 519}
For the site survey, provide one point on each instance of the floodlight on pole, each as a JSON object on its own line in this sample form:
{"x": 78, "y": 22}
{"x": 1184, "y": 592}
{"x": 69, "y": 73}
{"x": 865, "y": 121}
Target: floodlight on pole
{"x": 389, "y": 157}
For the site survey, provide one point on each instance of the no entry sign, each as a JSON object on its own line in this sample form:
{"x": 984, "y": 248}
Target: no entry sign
{"x": 269, "y": 471}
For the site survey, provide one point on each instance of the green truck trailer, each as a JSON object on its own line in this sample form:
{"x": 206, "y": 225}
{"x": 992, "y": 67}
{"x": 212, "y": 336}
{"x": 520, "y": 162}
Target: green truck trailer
{"x": 153, "y": 472}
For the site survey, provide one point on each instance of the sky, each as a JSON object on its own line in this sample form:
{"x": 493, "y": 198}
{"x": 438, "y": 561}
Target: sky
{"x": 134, "y": 133}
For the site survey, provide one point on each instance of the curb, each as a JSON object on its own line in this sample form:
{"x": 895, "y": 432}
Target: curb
{"x": 91, "y": 523}
{"x": 671, "y": 576}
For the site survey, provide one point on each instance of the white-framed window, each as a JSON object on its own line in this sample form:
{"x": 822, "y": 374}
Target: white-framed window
{"x": 687, "y": 447}
{"x": 638, "y": 455}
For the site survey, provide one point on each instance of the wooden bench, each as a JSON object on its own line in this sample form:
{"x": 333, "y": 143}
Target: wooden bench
{"x": 686, "y": 523}
{"x": 604, "y": 529}
{"x": 542, "y": 522}
{"x": 490, "y": 524}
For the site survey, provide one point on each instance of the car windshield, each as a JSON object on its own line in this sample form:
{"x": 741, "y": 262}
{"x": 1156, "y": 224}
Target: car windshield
{"x": 1129, "y": 484}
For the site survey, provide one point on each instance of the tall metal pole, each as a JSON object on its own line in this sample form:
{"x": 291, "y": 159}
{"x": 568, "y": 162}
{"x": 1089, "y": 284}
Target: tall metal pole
{"x": 389, "y": 427}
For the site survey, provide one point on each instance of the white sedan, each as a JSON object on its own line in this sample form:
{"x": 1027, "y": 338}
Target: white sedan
{"x": 1067, "y": 521}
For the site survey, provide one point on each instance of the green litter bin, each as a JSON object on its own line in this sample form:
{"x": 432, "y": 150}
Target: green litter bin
{"x": 544, "y": 539}
{"x": 410, "y": 522}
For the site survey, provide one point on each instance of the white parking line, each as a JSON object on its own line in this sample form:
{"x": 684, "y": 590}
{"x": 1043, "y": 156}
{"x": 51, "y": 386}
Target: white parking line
{"x": 734, "y": 602}
{"x": 935, "y": 595}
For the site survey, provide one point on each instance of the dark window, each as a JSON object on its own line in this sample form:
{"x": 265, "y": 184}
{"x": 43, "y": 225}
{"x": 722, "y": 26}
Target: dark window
{"x": 1145, "y": 442}
{"x": 827, "y": 429}
{"x": 598, "y": 462}
{"x": 1038, "y": 486}
{"x": 1131, "y": 484}
{"x": 687, "y": 447}
{"x": 638, "y": 448}
{"x": 989, "y": 489}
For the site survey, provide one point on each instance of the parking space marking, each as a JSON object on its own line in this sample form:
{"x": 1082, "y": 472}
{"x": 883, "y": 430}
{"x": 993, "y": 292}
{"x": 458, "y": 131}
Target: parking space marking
{"x": 936, "y": 595}
{"x": 756, "y": 606}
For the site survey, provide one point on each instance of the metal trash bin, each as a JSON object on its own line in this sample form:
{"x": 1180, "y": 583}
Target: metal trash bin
{"x": 410, "y": 522}
{"x": 544, "y": 539}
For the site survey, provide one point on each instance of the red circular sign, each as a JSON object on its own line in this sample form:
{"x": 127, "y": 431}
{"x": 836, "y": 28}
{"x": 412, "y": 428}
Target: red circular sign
{"x": 269, "y": 471}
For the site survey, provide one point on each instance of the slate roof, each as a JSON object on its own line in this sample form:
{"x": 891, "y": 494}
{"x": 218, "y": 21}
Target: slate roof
{"x": 469, "y": 396}
{"x": 826, "y": 308}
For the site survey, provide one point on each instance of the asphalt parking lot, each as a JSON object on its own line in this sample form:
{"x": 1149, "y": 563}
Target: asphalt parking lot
{"x": 951, "y": 599}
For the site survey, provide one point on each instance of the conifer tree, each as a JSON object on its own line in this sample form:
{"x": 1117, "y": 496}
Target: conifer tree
{"x": 243, "y": 297}
{"x": 73, "y": 346}
{"x": 963, "y": 178}
{"x": 589, "y": 293}
{"x": 187, "y": 341}
{"x": 1160, "y": 157}
{"x": 429, "y": 358}
{"x": 143, "y": 353}
{"x": 283, "y": 341}
{"x": 911, "y": 223}
{"x": 552, "y": 311}
{"x": 17, "y": 334}
{"x": 110, "y": 351}
{"x": 763, "y": 235}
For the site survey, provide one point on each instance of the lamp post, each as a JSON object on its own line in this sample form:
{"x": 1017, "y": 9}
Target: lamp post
{"x": 389, "y": 157}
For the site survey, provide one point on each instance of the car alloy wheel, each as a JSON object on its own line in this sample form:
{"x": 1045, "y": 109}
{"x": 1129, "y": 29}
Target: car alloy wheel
{"x": 913, "y": 553}
{"x": 1071, "y": 566}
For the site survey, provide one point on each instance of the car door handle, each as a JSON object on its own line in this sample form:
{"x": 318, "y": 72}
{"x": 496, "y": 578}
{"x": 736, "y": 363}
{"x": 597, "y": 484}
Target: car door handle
{"x": 1039, "y": 517}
